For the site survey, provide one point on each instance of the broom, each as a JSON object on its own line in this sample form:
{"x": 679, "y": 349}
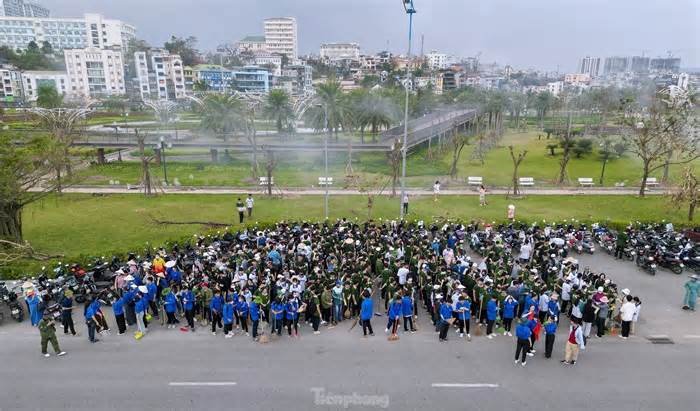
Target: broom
{"x": 478, "y": 325}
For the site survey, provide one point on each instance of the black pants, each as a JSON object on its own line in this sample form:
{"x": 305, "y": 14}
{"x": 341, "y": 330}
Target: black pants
{"x": 240, "y": 217}
{"x": 548, "y": 345}
{"x": 542, "y": 316}
{"x": 215, "y": 321}
{"x": 121, "y": 323}
{"x": 532, "y": 342}
{"x": 405, "y": 208}
{"x": 619, "y": 251}
{"x": 600, "y": 326}
{"x": 277, "y": 326}
{"x": 130, "y": 312}
{"x": 244, "y": 322}
{"x": 489, "y": 326}
{"x": 250, "y": 211}
{"x": 460, "y": 324}
{"x": 67, "y": 320}
{"x": 227, "y": 328}
{"x": 507, "y": 322}
{"x": 91, "y": 330}
{"x": 406, "y": 321}
{"x": 564, "y": 306}
{"x": 315, "y": 320}
{"x": 189, "y": 314}
{"x": 626, "y": 328}
{"x": 293, "y": 323}
{"x": 171, "y": 318}
{"x": 522, "y": 347}
{"x": 444, "y": 327}
{"x": 154, "y": 308}
{"x": 367, "y": 325}
{"x": 255, "y": 328}
{"x": 326, "y": 314}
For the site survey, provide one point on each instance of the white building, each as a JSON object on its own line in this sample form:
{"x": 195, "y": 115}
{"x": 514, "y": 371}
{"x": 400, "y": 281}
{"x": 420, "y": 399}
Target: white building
{"x": 252, "y": 43}
{"x": 281, "y": 36}
{"x": 11, "y": 79}
{"x": 95, "y": 72}
{"x": 340, "y": 52}
{"x": 32, "y": 80}
{"x": 590, "y": 65}
{"x": 555, "y": 87}
{"x": 264, "y": 58}
{"x": 159, "y": 75}
{"x": 577, "y": 79}
{"x": 437, "y": 61}
{"x": 297, "y": 80}
{"x": 92, "y": 30}
{"x": 21, "y": 8}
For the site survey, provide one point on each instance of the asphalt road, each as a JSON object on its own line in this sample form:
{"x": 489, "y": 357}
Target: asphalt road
{"x": 169, "y": 369}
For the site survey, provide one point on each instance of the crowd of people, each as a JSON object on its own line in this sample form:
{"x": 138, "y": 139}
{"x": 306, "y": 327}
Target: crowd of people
{"x": 249, "y": 282}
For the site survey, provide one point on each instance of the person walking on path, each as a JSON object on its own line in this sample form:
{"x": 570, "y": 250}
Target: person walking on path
{"x": 482, "y": 196}
{"x": 574, "y": 344}
{"x": 692, "y": 287}
{"x": 436, "y": 190}
{"x": 47, "y": 329}
{"x": 249, "y": 205}
{"x": 404, "y": 203}
{"x": 523, "y": 333}
{"x": 241, "y": 210}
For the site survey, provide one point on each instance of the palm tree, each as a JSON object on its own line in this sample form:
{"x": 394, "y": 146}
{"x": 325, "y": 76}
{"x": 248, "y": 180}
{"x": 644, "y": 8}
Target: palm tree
{"x": 223, "y": 114}
{"x": 377, "y": 113}
{"x": 332, "y": 102}
{"x": 278, "y": 107}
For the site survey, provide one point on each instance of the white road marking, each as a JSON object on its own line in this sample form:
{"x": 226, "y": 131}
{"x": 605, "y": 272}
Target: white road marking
{"x": 455, "y": 385}
{"x": 201, "y": 384}
{"x": 691, "y": 336}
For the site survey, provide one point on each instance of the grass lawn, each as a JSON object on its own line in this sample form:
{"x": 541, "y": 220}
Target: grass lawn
{"x": 303, "y": 169}
{"x": 86, "y": 225}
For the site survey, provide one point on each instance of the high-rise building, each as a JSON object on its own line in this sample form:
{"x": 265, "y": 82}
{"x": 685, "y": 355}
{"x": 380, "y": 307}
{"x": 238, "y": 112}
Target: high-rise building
{"x": 95, "y": 72}
{"x": 32, "y": 80}
{"x": 159, "y": 75}
{"x": 665, "y": 64}
{"x": 20, "y": 8}
{"x": 281, "y": 36}
{"x": 639, "y": 64}
{"x": 437, "y": 61}
{"x": 616, "y": 65}
{"x": 590, "y": 65}
{"x": 92, "y": 30}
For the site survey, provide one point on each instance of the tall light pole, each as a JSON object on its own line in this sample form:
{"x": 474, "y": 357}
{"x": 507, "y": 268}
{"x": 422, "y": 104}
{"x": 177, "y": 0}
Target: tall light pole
{"x": 410, "y": 10}
{"x": 325, "y": 149}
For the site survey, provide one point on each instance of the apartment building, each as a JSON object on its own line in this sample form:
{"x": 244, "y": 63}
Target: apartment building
{"x": 95, "y": 72}
{"x": 337, "y": 52}
{"x": 32, "y": 80}
{"x": 159, "y": 75}
{"x": 281, "y": 36}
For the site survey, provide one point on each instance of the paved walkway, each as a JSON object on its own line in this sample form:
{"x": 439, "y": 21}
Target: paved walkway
{"x": 121, "y": 189}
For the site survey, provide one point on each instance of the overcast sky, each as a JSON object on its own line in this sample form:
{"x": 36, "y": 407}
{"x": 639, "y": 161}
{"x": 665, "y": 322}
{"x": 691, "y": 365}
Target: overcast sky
{"x": 543, "y": 34}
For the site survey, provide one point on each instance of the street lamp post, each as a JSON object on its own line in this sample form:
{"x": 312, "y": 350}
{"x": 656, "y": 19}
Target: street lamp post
{"x": 325, "y": 150}
{"x": 410, "y": 10}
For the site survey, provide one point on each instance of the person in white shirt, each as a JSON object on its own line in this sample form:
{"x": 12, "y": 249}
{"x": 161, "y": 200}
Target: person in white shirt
{"x": 525, "y": 251}
{"x": 627, "y": 315}
{"x": 436, "y": 189}
{"x": 249, "y": 205}
{"x": 635, "y": 317}
{"x": 402, "y": 273}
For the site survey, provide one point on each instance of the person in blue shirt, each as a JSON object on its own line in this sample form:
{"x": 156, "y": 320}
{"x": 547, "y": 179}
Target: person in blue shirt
{"x": 215, "y": 306}
{"x": 510, "y": 306}
{"x": 242, "y": 313}
{"x": 553, "y": 306}
{"x": 491, "y": 314}
{"x": 188, "y": 305}
{"x": 34, "y": 303}
{"x": 395, "y": 311}
{"x": 292, "y": 315}
{"x": 366, "y": 312}
{"x": 170, "y": 307}
{"x": 67, "y": 312}
{"x": 445, "y": 318}
{"x": 523, "y": 333}
{"x": 141, "y": 307}
{"x": 407, "y": 310}
{"x": 255, "y": 315}
{"x": 277, "y": 310}
{"x": 227, "y": 314}
{"x": 90, "y": 320}
{"x": 550, "y": 332}
{"x": 152, "y": 296}
{"x": 464, "y": 307}
{"x": 118, "y": 309}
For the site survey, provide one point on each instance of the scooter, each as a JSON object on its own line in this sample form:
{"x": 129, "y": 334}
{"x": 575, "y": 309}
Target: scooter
{"x": 646, "y": 261}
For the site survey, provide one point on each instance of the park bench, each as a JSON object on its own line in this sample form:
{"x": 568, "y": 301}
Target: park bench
{"x": 651, "y": 181}
{"x": 133, "y": 186}
{"x": 475, "y": 181}
{"x": 526, "y": 181}
{"x": 263, "y": 181}
{"x": 325, "y": 181}
{"x": 586, "y": 181}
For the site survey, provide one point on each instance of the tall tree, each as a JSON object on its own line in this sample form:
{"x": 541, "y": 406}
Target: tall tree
{"x": 331, "y": 106}
{"x": 278, "y": 108}
{"x": 185, "y": 47}
{"x": 222, "y": 114}
{"x": 543, "y": 103}
{"x": 517, "y": 160}
{"x": 458, "y": 141}
{"x": 659, "y": 127}
{"x": 48, "y": 97}
{"x": 687, "y": 192}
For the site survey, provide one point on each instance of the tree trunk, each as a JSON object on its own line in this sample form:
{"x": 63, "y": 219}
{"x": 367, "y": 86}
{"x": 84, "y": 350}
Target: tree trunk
{"x": 214, "y": 155}
{"x": 645, "y": 174}
{"x": 269, "y": 181}
{"x": 11, "y": 222}
{"x": 667, "y": 164}
{"x": 602, "y": 172}
{"x": 100, "y": 156}
{"x": 691, "y": 210}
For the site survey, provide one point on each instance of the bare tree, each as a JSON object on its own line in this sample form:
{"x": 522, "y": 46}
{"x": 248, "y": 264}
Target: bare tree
{"x": 458, "y": 142}
{"x": 146, "y": 177}
{"x": 517, "y": 160}
{"x": 566, "y": 141}
{"x": 664, "y": 126}
{"x": 271, "y": 163}
{"x": 688, "y": 192}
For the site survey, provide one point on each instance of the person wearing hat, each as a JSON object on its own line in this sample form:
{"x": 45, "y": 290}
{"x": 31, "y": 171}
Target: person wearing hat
{"x": 692, "y": 288}
{"x": 36, "y": 306}
{"x": 67, "y": 312}
{"x": 47, "y": 330}
{"x": 523, "y": 333}
{"x": 601, "y": 315}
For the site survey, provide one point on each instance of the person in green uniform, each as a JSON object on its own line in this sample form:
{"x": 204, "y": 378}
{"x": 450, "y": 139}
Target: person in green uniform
{"x": 47, "y": 329}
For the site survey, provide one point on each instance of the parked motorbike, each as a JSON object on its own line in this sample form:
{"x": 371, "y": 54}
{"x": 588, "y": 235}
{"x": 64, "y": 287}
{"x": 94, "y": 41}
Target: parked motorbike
{"x": 9, "y": 297}
{"x": 645, "y": 260}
